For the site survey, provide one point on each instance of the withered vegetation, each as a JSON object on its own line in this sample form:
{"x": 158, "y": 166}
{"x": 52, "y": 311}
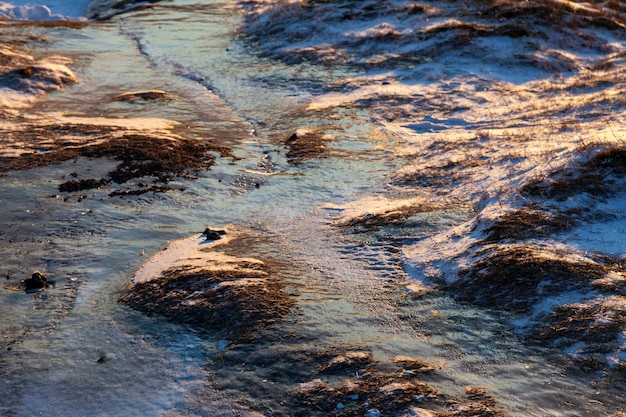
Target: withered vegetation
{"x": 391, "y": 391}
{"x": 304, "y": 146}
{"x": 152, "y": 158}
{"x": 596, "y": 323}
{"x": 239, "y": 302}
{"x": 437, "y": 179}
{"x": 394, "y": 217}
{"x": 598, "y": 177}
{"x": 514, "y": 278}
{"x": 529, "y": 222}
{"x": 416, "y": 40}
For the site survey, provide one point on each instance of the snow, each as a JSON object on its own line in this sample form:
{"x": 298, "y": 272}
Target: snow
{"x": 488, "y": 104}
{"x": 51, "y": 10}
{"x": 47, "y": 74}
{"x": 504, "y": 104}
{"x": 194, "y": 252}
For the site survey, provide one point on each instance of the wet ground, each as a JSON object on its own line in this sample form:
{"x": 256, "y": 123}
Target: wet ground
{"x": 308, "y": 311}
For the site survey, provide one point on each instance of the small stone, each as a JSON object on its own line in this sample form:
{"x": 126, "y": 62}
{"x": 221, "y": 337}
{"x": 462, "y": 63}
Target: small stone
{"x": 36, "y": 282}
{"x": 222, "y": 345}
{"x": 340, "y": 406}
{"x": 372, "y": 412}
{"x": 212, "y": 234}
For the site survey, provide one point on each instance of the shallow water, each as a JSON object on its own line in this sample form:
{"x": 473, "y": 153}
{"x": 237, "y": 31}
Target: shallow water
{"x": 73, "y": 350}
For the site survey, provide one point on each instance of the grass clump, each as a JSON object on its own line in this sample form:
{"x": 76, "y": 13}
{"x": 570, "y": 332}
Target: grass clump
{"x": 239, "y": 302}
{"x": 514, "y": 278}
{"x": 599, "y": 176}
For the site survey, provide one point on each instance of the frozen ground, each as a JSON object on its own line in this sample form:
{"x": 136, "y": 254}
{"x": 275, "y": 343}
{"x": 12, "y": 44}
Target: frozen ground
{"x": 502, "y": 122}
{"x": 49, "y": 10}
{"x": 513, "y": 108}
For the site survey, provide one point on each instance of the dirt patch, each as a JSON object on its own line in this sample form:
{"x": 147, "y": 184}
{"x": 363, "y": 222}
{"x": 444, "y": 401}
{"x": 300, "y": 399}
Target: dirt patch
{"x": 514, "y": 278}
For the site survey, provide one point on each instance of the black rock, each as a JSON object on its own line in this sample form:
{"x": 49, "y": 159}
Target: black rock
{"x": 36, "y": 282}
{"x": 211, "y": 234}
{"x": 291, "y": 139}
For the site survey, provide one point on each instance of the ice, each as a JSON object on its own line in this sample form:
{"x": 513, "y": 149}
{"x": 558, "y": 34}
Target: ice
{"x": 51, "y": 10}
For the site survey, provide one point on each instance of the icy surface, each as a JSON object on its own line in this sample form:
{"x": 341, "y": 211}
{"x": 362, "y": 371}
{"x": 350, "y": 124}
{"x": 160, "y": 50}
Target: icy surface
{"x": 50, "y": 10}
{"x": 422, "y": 108}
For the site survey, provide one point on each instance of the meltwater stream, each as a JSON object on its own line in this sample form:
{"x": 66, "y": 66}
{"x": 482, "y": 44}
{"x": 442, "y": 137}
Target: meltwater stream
{"x": 74, "y": 350}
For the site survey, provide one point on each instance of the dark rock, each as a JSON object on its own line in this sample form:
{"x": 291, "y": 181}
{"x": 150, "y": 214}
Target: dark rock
{"x": 212, "y": 234}
{"x": 291, "y": 139}
{"x": 36, "y": 282}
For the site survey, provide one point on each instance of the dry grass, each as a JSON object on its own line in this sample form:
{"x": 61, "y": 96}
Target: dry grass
{"x": 514, "y": 278}
{"x": 528, "y": 223}
{"x": 239, "y": 303}
{"x": 305, "y": 146}
{"x": 597, "y": 323}
{"x": 395, "y": 217}
{"x": 598, "y": 177}
{"x": 459, "y": 31}
{"x": 151, "y": 158}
